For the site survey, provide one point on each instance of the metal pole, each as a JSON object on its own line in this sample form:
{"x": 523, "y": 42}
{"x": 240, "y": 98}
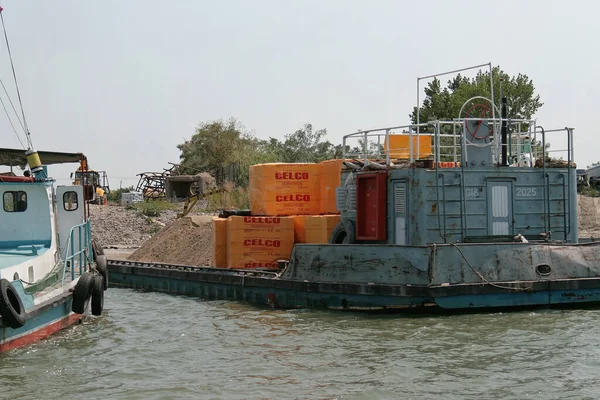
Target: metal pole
{"x": 365, "y": 147}
{"x": 503, "y": 131}
{"x": 418, "y": 106}
{"x": 387, "y": 146}
{"x": 455, "y": 71}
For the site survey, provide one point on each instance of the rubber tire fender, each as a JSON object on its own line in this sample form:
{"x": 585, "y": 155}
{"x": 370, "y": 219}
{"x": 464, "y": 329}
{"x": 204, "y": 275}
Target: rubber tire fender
{"x": 343, "y": 233}
{"x": 82, "y": 292}
{"x": 102, "y": 268}
{"x": 11, "y": 305}
{"x": 97, "y": 294}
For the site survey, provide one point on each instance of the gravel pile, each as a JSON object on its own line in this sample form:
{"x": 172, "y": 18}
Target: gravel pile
{"x": 115, "y": 225}
{"x": 187, "y": 241}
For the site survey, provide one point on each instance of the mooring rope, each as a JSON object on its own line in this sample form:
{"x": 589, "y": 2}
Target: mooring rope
{"x": 485, "y": 280}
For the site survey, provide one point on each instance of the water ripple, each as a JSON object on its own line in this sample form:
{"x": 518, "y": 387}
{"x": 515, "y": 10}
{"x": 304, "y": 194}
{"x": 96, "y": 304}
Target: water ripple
{"x": 158, "y": 346}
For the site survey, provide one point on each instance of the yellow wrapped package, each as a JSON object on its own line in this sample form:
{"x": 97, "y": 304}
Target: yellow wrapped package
{"x": 314, "y": 228}
{"x": 331, "y": 176}
{"x": 219, "y": 232}
{"x": 258, "y": 242}
{"x": 284, "y": 189}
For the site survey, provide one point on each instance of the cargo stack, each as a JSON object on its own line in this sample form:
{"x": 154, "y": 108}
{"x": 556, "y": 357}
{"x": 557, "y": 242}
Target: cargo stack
{"x": 258, "y": 242}
{"x": 289, "y": 203}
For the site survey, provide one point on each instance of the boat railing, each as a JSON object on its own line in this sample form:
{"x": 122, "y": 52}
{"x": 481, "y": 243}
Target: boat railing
{"x": 444, "y": 142}
{"x": 78, "y": 253}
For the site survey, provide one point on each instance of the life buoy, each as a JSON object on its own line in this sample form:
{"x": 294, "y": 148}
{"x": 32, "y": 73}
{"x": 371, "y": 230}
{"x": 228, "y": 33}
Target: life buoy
{"x": 343, "y": 233}
{"x": 97, "y": 294}
{"x": 101, "y": 267}
{"x": 11, "y": 305}
{"x": 82, "y": 292}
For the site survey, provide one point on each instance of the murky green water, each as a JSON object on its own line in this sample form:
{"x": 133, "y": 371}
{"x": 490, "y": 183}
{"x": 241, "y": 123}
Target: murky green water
{"x": 158, "y": 346}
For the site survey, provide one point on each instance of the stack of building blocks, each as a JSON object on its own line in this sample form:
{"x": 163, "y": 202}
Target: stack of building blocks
{"x": 289, "y": 203}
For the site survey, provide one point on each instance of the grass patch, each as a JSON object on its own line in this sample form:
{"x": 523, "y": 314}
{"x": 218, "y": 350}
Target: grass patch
{"x": 589, "y": 191}
{"x": 154, "y": 208}
{"x": 232, "y": 198}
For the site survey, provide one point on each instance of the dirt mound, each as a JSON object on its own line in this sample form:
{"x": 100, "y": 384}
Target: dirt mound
{"x": 186, "y": 241}
{"x": 589, "y": 216}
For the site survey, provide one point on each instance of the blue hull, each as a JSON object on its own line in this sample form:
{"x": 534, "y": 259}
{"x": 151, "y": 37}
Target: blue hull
{"x": 268, "y": 290}
{"x": 41, "y": 322}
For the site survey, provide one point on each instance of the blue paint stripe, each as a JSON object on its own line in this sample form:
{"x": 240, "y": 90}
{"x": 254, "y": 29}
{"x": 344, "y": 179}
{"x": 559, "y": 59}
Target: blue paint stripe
{"x": 38, "y": 321}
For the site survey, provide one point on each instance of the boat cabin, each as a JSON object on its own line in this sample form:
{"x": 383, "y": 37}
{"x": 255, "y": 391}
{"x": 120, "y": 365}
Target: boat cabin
{"x": 466, "y": 180}
{"x": 42, "y": 225}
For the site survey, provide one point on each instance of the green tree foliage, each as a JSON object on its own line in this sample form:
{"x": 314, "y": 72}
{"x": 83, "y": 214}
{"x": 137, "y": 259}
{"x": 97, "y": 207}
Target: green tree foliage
{"x": 445, "y": 102}
{"x": 215, "y": 144}
{"x": 218, "y": 144}
{"x": 304, "y": 145}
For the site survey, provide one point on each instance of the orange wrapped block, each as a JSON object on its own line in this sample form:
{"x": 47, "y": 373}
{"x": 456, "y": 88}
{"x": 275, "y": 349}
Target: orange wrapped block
{"x": 331, "y": 179}
{"x": 284, "y": 189}
{"x": 258, "y": 242}
{"x": 219, "y": 232}
{"x": 399, "y": 146}
{"x": 314, "y": 228}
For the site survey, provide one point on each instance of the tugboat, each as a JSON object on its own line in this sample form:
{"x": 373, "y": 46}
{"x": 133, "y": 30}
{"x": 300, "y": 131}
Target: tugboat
{"x": 49, "y": 267}
{"x": 468, "y": 213}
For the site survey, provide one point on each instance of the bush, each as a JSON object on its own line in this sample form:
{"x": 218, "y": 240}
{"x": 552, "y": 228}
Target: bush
{"x": 233, "y": 197}
{"x": 589, "y": 191}
{"x": 153, "y": 208}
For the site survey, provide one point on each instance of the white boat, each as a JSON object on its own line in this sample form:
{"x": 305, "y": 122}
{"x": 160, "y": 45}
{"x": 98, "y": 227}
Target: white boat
{"x": 50, "y": 271}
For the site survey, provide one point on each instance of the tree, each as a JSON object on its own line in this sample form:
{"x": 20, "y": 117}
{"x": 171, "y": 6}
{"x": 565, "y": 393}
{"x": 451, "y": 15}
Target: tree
{"x": 445, "y": 103}
{"x": 217, "y": 144}
{"x": 304, "y": 145}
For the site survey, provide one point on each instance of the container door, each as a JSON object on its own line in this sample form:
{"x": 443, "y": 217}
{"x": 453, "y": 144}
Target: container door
{"x": 69, "y": 209}
{"x": 500, "y": 220}
{"x": 400, "y": 211}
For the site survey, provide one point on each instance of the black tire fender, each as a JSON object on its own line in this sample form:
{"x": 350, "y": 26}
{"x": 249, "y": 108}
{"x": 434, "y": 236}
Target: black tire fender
{"x": 102, "y": 268}
{"x": 343, "y": 233}
{"x": 11, "y": 305}
{"x": 82, "y": 292}
{"x": 97, "y": 294}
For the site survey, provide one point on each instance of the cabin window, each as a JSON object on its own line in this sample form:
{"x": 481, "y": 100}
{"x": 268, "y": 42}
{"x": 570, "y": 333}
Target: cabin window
{"x": 14, "y": 201}
{"x": 70, "y": 202}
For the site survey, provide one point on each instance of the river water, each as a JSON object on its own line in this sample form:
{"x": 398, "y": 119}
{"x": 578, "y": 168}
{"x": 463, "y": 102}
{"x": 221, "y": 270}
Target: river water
{"x": 161, "y": 346}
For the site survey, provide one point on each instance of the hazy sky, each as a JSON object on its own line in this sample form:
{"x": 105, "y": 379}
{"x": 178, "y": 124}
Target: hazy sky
{"x": 126, "y": 81}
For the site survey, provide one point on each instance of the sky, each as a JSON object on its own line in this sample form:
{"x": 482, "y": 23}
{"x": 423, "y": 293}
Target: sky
{"x": 126, "y": 81}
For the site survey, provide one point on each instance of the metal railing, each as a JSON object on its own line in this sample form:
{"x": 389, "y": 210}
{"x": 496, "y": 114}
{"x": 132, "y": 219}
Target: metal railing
{"x": 449, "y": 142}
{"x": 79, "y": 255}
